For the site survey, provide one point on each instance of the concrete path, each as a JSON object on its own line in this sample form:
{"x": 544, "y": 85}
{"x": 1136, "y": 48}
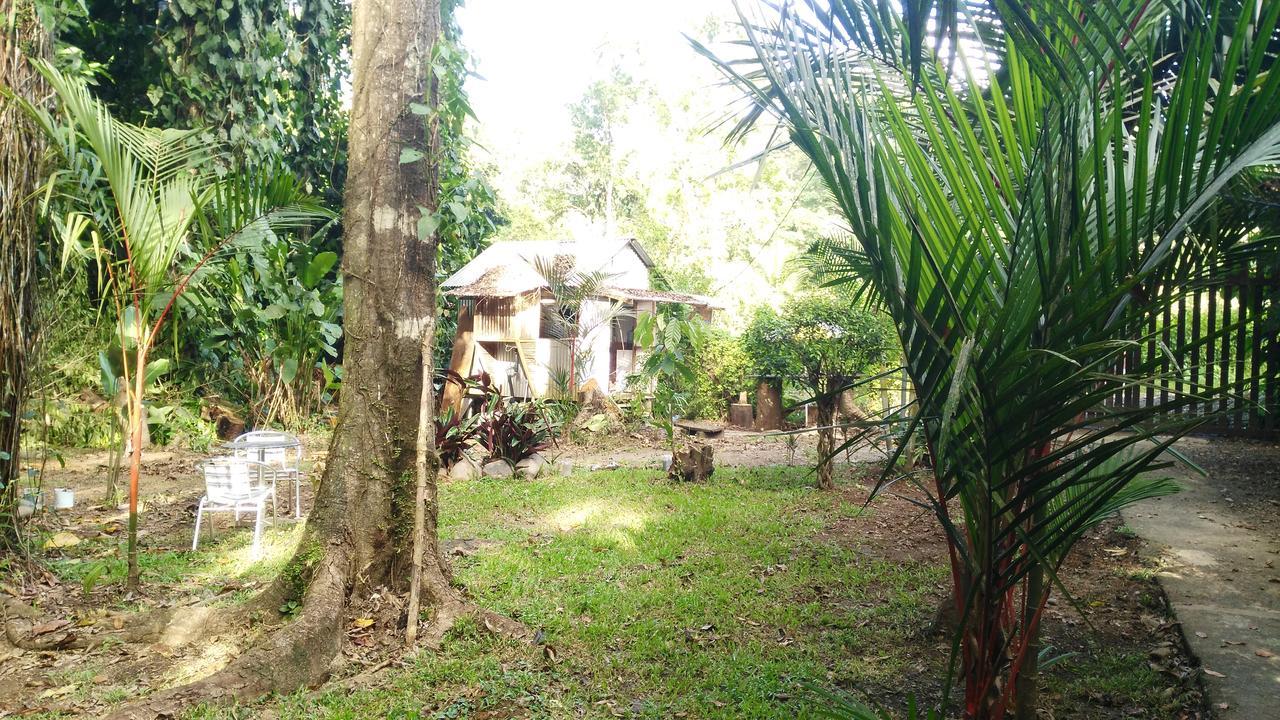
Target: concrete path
{"x": 1220, "y": 566}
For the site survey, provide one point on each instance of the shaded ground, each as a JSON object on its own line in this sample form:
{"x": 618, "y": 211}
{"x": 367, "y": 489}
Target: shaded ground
{"x": 733, "y": 448}
{"x": 1217, "y": 544}
{"x": 724, "y": 600}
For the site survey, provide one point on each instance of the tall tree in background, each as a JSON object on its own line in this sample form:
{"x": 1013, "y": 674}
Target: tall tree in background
{"x": 593, "y": 182}
{"x": 21, "y": 161}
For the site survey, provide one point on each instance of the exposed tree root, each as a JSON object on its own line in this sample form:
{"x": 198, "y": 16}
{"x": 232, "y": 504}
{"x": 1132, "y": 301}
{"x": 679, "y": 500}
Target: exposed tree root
{"x": 172, "y": 627}
{"x": 297, "y": 655}
{"x": 301, "y": 654}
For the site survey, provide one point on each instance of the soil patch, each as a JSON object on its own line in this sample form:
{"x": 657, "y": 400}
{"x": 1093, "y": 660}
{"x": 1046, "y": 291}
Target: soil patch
{"x": 1116, "y": 622}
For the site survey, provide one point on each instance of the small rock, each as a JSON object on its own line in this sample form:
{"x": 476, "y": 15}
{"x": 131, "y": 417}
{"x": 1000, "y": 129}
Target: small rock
{"x": 498, "y": 469}
{"x": 564, "y": 467}
{"x": 532, "y": 466}
{"x": 464, "y": 469}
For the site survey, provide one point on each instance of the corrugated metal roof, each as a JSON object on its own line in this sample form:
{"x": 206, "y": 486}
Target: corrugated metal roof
{"x": 666, "y": 296}
{"x": 507, "y": 268}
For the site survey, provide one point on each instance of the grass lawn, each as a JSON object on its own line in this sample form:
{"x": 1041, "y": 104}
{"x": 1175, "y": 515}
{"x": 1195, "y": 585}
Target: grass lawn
{"x": 731, "y": 599}
{"x": 658, "y": 600}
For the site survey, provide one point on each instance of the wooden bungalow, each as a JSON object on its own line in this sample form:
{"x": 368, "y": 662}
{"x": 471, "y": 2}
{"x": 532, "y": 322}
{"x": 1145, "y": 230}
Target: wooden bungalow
{"x": 507, "y": 325}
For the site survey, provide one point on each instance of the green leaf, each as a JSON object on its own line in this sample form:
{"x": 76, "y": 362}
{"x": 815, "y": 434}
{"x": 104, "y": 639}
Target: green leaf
{"x": 419, "y": 109}
{"x": 319, "y": 266}
{"x": 272, "y": 312}
{"x": 289, "y": 370}
{"x": 427, "y": 224}
{"x": 410, "y": 155}
{"x": 155, "y": 369}
{"x": 106, "y": 376}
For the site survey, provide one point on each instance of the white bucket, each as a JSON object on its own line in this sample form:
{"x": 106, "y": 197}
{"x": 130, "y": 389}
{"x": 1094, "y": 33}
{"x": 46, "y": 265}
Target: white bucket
{"x": 63, "y": 498}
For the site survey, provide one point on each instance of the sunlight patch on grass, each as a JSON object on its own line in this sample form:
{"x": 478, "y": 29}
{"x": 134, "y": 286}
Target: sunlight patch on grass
{"x": 597, "y": 513}
{"x": 229, "y": 557}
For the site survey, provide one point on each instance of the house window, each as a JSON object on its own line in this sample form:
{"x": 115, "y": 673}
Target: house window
{"x": 552, "y": 325}
{"x": 624, "y": 332}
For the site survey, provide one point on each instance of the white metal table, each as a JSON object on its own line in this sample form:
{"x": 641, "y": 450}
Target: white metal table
{"x": 273, "y": 449}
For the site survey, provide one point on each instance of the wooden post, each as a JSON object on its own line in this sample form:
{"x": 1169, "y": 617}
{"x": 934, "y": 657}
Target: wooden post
{"x": 464, "y": 348}
{"x": 740, "y": 413}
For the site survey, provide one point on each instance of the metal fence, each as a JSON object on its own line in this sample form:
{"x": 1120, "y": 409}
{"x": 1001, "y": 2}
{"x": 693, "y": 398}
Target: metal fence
{"x": 1229, "y": 340}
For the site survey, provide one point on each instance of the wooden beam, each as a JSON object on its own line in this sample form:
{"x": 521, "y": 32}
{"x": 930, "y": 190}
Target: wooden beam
{"x": 460, "y": 359}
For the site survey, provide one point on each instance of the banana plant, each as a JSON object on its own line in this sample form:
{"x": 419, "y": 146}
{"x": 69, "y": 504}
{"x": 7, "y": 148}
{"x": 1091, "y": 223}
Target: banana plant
{"x": 160, "y": 216}
{"x": 1023, "y": 197}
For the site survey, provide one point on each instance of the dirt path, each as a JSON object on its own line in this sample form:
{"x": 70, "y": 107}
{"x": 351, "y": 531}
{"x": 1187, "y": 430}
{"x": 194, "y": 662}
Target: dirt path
{"x": 1218, "y": 546}
{"x": 733, "y": 448}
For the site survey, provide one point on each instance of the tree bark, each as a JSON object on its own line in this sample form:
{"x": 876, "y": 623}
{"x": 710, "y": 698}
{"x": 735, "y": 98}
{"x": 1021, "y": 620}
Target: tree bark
{"x": 826, "y": 441}
{"x": 358, "y": 537}
{"x": 768, "y": 406}
{"x": 389, "y": 292}
{"x": 21, "y": 155}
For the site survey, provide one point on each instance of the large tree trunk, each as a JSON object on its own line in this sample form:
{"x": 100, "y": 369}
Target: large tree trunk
{"x": 358, "y": 538}
{"x": 21, "y": 153}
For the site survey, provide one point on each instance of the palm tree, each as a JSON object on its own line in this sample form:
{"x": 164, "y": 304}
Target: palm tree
{"x": 164, "y": 215}
{"x": 1023, "y": 195}
{"x": 579, "y": 310}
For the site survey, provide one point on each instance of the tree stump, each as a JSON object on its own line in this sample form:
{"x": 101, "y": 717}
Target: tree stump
{"x": 741, "y": 414}
{"x": 768, "y": 406}
{"x": 692, "y": 463}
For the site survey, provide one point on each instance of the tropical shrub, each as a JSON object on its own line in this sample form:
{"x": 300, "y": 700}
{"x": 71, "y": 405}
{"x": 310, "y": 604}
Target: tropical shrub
{"x": 822, "y": 344}
{"x": 455, "y": 433}
{"x": 722, "y": 370}
{"x": 1015, "y": 188}
{"x": 266, "y": 324}
{"x": 671, "y": 338}
{"x": 511, "y": 430}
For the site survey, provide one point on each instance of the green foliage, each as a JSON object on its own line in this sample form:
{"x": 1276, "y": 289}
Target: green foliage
{"x": 590, "y": 181}
{"x": 820, "y": 342}
{"x": 179, "y": 423}
{"x": 671, "y": 338}
{"x": 1012, "y": 225}
{"x": 455, "y": 432}
{"x": 700, "y": 368}
{"x": 511, "y": 430}
{"x": 724, "y": 370}
{"x": 764, "y": 342}
{"x": 265, "y": 324}
{"x": 261, "y": 77}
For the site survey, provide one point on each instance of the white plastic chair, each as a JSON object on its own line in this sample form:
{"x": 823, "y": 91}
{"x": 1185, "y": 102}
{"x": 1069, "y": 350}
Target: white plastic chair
{"x": 230, "y": 487}
{"x": 286, "y": 463}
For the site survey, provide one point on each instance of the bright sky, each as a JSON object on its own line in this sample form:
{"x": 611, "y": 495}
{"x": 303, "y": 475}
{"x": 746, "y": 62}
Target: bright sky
{"x": 537, "y": 56}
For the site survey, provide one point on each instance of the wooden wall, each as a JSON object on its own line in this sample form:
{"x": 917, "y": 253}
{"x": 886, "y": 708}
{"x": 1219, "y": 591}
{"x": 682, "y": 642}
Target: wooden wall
{"x": 509, "y": 318}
